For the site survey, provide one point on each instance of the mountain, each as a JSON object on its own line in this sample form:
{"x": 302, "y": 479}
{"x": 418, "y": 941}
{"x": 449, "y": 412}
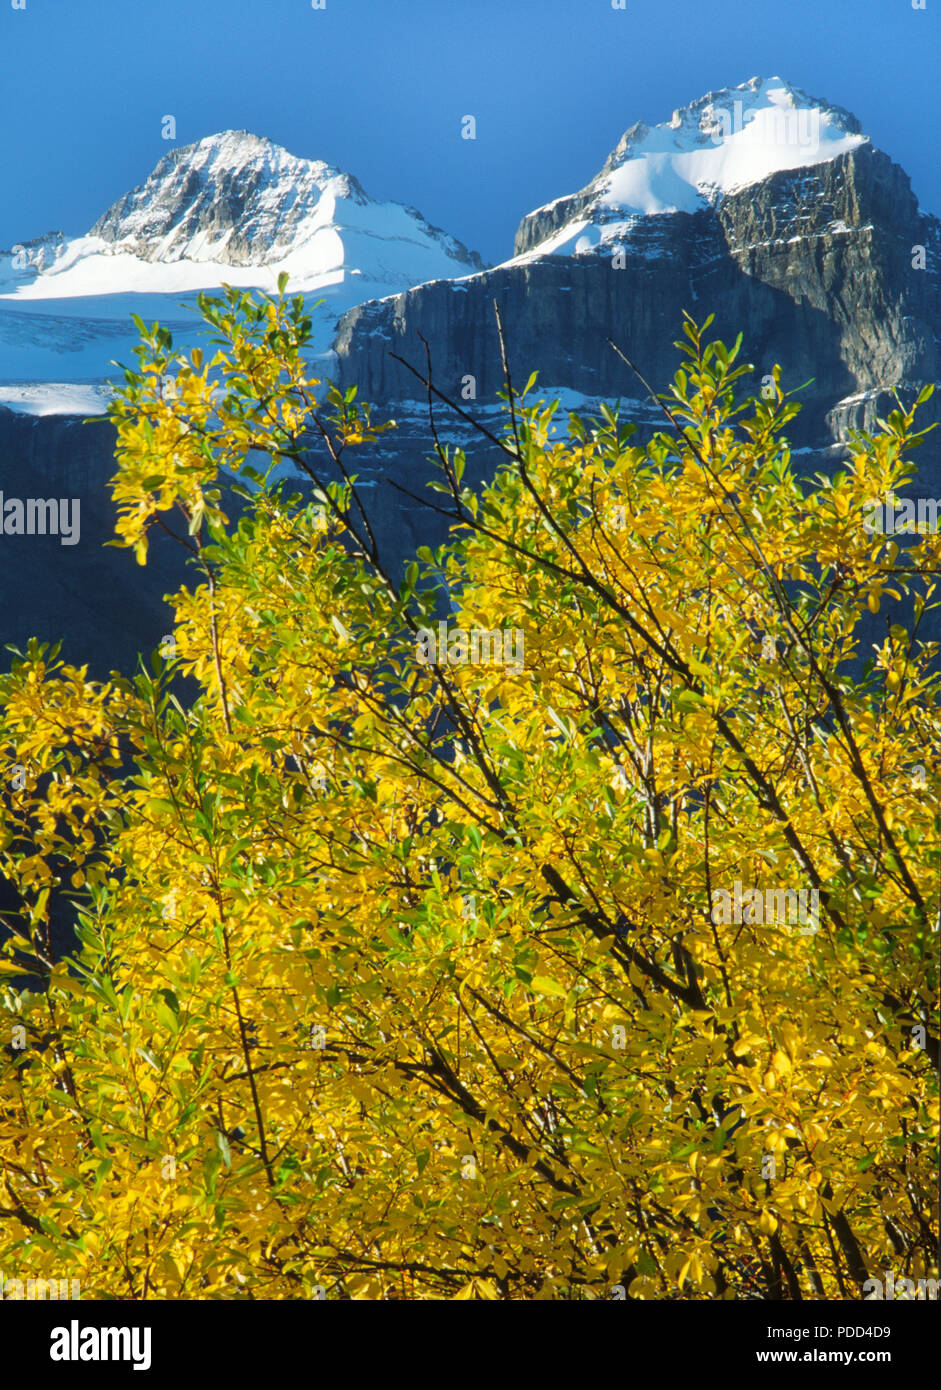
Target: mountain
{"x": 234, "y": 208}
{"x": 759, "y": 203}
{"x": 723, "y": 142}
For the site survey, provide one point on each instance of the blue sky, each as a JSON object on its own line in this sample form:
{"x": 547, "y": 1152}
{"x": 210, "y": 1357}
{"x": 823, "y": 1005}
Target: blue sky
{"x": 379, "y": 87}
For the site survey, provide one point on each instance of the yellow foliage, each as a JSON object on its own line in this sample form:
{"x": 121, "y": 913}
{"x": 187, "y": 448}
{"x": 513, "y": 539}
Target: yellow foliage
{"x": 406, "y": 979}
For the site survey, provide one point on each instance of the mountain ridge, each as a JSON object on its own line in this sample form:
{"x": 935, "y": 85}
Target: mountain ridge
{"x": 825, "y": 261}
{"x": 827, "y": 266}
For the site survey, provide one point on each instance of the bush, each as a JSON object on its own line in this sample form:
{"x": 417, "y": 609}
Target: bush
{"x": 412, "y": 964}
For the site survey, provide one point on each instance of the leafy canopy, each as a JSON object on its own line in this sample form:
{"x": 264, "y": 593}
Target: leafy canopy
{"x": 404, "y": 978}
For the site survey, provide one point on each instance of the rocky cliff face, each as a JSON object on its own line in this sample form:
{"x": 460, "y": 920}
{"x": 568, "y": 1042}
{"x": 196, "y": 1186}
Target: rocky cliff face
{"x": 97, "y": 602}
{"x": 815, "y": 268}
{"x": 828, "y": 268}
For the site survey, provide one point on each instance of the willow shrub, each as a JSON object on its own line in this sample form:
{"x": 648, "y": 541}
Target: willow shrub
{"x": 401, "y": 974}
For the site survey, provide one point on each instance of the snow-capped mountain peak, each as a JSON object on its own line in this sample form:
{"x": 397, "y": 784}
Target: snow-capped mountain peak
{"x": 234, "y": 198}
{"x": 237, "y": 202}
{"x": 774, "y": 111}
{"x": 724, "y": 141}
{"x": 233, "y": 208}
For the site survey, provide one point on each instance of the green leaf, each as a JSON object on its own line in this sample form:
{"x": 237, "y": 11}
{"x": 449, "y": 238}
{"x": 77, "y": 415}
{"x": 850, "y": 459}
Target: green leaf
{"x": 544, "y": 984}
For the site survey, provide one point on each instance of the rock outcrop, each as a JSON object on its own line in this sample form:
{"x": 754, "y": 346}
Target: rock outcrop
{"x": 828, "y": 268}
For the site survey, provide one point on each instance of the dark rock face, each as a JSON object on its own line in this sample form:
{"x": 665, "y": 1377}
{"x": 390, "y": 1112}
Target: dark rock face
{"x": 815, "y": 266}
{"x": 103, "y": 606}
